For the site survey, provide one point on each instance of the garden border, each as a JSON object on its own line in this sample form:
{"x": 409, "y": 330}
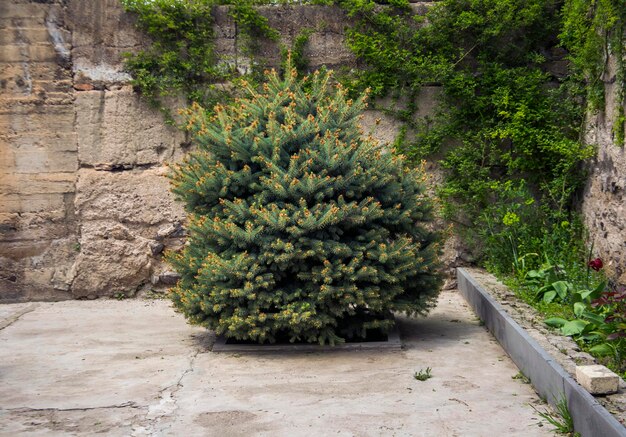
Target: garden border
{"x": 547, "y": 376}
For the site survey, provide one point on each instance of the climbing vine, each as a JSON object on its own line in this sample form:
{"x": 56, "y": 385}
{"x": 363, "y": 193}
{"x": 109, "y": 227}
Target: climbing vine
{"x": 507, "y": 130}
{"x": 508, "y": 126}
{"x": 181, "y": 58}
{"x": 593, "y": 32}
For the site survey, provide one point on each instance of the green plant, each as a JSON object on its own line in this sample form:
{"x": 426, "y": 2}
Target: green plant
{"x": 423, "y": 374}
{"x": 298, "y": 227}
{"x": 506, "y": 131}
{"x": 550, "y": 282}
{"x": 561, "y": 419}
{"x": 593, "y": 32}
{"x": 252, "y": 27}
{"x": 600, "y": 323}
{"x": 521, "y": 377}
{"x": 295, "y": 55}
{"x": 181, "y": 58}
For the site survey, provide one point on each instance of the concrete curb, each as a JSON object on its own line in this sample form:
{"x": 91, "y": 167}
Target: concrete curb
{"x": 393, "y": 343}
{"x": 548, "y": 378}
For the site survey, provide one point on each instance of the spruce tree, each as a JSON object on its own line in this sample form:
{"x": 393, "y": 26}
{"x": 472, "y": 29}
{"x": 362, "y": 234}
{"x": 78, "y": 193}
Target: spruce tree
{"x": 299, "y": 227}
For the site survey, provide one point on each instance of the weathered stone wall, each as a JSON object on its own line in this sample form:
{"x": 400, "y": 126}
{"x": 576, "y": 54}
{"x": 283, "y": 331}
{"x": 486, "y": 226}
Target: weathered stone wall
{"x": 38, "y": 152}
{"x": 604, "y": 199}
{"x": 85, "y": 209}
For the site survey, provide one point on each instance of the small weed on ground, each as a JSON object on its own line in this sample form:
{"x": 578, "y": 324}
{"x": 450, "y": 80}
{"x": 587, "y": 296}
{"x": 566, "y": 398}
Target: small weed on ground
{"x": 521, "y": 377}
{"x": 561, "y": 419}
{"x": 423, "y": 374}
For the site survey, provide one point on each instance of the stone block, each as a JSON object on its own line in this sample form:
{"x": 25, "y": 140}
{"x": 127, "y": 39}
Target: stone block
{"x": 37, "y": 183}
{"x": 603, "y": 205}
{"x": 118, "y": 129}
{"x": 597, "y": 379}
{"x": 38, "y": 161}
{"x": 112, "y": 260}
{"x": 139, "y": 197}
{"x": 27, "y": 52}
{"x": 19, "y": 203}
{"x": 427, "y": 101}
{"x": 41, "y": 270}
{"x": 18, "y": 72}
{"x": 102, "y": 75}
{"x": 41, "y": 139}
{"x": 49, "y": 118}
{"x": 101, "y": 33}
{"x": 13, "y": 10}
{"x": 381, "y": 126}
{"x": 11, "y": 35}
{"x": 34, "y": 226}
{"x": 326, "y": 44}
{"x": 120, "y": 216}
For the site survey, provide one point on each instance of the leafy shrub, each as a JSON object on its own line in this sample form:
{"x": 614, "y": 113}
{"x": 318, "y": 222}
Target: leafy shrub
{"x": 599, "y": 322}
{"x": 298, "y": 227}
{"x": 507, "y": 129}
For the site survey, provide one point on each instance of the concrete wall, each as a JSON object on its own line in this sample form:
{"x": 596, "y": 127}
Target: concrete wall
{"x": 604, "y": 199}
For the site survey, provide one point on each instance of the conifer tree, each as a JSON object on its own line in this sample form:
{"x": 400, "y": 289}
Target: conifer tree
{"x": 299, "y": 227}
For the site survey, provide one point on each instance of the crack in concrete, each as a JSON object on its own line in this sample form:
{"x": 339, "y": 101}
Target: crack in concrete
{"x": 129, "y": 404}
{"x": 5, "y": 323}
{"x": 167, "y": 405}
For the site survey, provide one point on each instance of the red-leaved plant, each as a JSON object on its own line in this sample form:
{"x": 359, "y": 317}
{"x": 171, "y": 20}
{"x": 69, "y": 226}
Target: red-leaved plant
{"x": 614, "y": 304}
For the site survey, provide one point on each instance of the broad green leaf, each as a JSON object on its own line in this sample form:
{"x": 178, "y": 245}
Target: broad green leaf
{"x": 561, "y": 288}
{"x": 544, "y": 289}
{"x": 549, "y": 296}
{"x": 579, "y": 307}
{"x": 589, "y": 328}
{"x": 555, "y": 322}
{"x": 592, "y": 317}
{"x": 534, "y": 274}
{"x": 598, "y": 290}
{"x": 592, "y": 336}
{"x": 602, "y": 349}
{"x": 574, "y": 327}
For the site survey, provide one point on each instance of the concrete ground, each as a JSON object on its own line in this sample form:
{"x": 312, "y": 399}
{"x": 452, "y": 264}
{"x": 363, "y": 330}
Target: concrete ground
{"x": 135, "y": 368}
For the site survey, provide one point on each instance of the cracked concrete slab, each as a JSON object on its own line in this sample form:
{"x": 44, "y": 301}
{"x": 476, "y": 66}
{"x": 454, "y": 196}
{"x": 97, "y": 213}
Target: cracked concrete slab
{"x": 136, "y": 368}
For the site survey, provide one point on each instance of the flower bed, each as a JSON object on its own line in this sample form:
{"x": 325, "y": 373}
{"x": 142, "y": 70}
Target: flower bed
{"x": 561, "y": 350}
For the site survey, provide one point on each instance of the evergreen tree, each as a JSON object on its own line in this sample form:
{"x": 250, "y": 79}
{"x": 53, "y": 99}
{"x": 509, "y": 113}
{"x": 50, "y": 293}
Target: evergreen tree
{"x": 299, "y": 228}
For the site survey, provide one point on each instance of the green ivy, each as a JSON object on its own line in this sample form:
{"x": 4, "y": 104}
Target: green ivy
{"x": 181, "y": 58}
{"x": 295, "y": 54}
{"x": 592, "y": 31}
{"x": 507, "y": 130}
